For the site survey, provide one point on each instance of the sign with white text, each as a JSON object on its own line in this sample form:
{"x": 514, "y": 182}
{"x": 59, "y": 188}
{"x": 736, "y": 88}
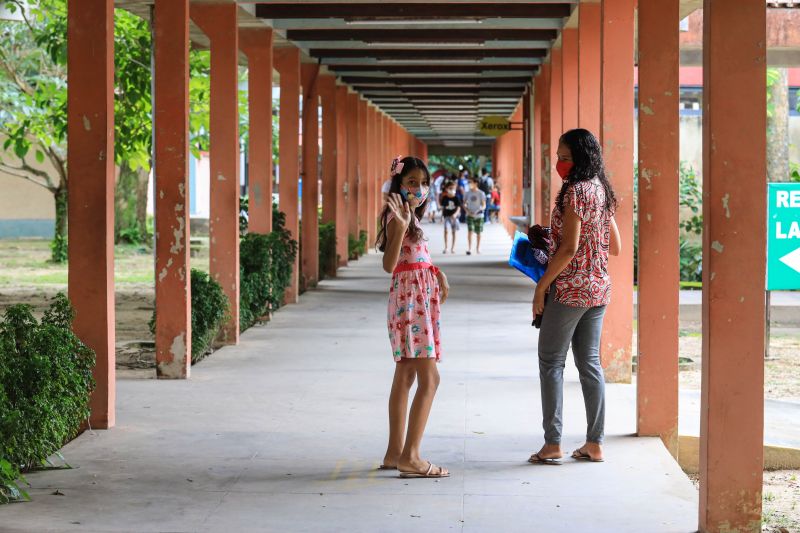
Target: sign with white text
{"x": 783, "y": 243}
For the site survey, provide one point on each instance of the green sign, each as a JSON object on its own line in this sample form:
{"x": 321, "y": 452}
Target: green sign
{"x": 783, "y": 226}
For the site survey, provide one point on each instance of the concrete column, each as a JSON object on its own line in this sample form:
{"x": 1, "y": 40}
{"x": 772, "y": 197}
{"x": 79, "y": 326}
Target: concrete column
{"x": 256, "y": 43}
{"x": 569, "y": 77}
{"x": 218, "y": 22}
{"x": 536, "y": 171}
{"x": 352, "y": 164}
{"x": 547, "y": 150}
{"x": 659, "y": 276}
{"x": 363, "y": 170}
{"x": 589, "y": 67}
{"x": 734, "y": 259}
{"x": 556, "y": 125}
{"x": 90, "y": 131}
{"x": 171, "y": 126}
{"x": 287, "y": 62}
{"x": 342, "y": 220}
{"x": 309, "y": 262}
{"x": 372, "y": 188}
{"x": 617, "y": 141}
{"x": 330, "y": 139}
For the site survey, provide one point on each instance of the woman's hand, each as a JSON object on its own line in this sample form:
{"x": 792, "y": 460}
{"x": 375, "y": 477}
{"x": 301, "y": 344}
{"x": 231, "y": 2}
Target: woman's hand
{"x": 444, "y": 286}
{"x": 538, "y": 300}
{"x": 400, "y": 209}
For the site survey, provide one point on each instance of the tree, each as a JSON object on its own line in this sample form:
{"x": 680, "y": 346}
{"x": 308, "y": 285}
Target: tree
{"x": 455, "y": 164}
{"x": 33, "y": 103}
{"x": 778, "y": 124}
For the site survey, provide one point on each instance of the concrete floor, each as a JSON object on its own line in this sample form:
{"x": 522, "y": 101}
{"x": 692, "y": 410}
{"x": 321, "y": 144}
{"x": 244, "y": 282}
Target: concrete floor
{"x": 283, "y": 432}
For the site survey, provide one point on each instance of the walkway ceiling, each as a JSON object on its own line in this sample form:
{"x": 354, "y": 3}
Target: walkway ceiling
{"x": 435, "y": 67}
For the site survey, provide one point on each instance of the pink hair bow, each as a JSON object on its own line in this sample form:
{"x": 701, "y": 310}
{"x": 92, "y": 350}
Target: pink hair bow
{"x": 397, "y": 165}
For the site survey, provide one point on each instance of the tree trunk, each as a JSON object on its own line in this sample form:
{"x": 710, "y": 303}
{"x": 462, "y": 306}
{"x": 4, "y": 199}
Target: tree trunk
{"x": 142, "y": 182}
{"x": 125, "y": 195}
{"x": 59, "y": 245}
{"x": 778, "y": 128}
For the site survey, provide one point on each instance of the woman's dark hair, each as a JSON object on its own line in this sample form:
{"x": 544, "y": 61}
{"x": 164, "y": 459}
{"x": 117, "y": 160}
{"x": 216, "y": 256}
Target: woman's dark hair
{"x": 587, "y": 159}
{"x": 409, "y": 163}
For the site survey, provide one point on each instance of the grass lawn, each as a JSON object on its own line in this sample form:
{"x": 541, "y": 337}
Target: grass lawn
{"x": 25, "y": 263}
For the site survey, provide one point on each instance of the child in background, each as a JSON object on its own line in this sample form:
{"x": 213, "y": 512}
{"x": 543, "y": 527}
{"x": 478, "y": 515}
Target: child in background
{"x": 474, "y": 204}
{"x": 451, "y": 209}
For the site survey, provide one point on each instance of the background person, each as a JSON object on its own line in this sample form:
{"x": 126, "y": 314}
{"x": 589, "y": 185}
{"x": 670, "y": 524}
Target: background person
{"x": 474, "y": 205}
{"x": 451, "y": 209}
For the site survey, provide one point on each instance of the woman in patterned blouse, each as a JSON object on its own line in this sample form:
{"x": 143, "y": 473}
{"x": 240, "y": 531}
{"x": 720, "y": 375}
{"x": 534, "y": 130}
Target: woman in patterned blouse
{"x": 577, "y": 289}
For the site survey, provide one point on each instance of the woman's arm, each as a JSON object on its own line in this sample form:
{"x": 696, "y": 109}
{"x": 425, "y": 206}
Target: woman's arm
{"x": 615, "y": 244}
{"x": 395, "y": 231}
{"x": 566, "y": 251}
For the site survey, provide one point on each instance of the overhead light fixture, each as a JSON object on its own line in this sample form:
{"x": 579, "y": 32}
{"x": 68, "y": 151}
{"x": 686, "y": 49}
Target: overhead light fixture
{"x": 411, "y": 22}
{"x": 449, "y": 61}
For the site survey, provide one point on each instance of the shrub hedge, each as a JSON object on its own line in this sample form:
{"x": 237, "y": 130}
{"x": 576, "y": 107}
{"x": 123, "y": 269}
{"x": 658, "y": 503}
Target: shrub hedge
{"x": 45, "y": 383}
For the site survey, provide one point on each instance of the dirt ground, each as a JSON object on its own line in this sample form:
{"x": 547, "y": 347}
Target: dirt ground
{"x": 781, "y": 501}
{"x": 26, "y": 276}
{"x": 781, "y": 369}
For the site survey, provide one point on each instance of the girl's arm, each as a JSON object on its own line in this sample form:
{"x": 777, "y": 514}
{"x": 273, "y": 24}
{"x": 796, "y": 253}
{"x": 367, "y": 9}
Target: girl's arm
{"x": 395, "y": 231}
{"x": 566, "y": 251}
{"x": 615, "y": 244}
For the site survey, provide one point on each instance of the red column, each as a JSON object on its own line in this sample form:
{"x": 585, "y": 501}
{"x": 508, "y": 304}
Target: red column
{"x": 569, "y": 72}
{"x": 352, "y": 164}
{"x": 556, "y": 128}
{"x": 734, "y": 259}
{"x": 219, "y": 23}
{"x": 90, "y": 131}
{"x": 257, "y": 44}
{"x": 617, "y": 140}
{"x": 372, "y": 189}
{"x": 363, "y": 188}
{"x": 589, "y": 67}
{"x": 536, "y": 171}
{"x": 659, "y": 158}
{"x": 171, "y": 126}
{"x": 287, "y": 62}
{"x": 341, "y": 175}
{"x": 309, "y": 262}
{"x": 330, "y": 138}
{"x": 546, "y": 148}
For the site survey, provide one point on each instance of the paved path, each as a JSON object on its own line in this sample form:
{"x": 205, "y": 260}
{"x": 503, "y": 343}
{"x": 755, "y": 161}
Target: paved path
{"x": 283, "y": 432}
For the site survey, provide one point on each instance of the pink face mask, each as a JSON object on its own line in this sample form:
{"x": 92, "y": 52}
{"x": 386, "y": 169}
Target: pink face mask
{"x": 563, "y": 168}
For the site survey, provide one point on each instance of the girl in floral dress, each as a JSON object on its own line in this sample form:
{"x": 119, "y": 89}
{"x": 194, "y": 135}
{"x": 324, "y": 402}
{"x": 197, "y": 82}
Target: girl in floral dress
{"x": 417, "y": 290}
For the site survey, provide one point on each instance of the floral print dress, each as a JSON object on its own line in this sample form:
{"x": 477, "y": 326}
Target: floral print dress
{"x": 414, "y": 304}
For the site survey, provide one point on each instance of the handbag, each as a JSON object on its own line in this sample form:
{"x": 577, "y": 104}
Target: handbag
{"x": 529, "y": 260}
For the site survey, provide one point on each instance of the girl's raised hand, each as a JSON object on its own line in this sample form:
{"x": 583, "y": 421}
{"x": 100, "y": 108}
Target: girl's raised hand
{"x": 400, "y": 209}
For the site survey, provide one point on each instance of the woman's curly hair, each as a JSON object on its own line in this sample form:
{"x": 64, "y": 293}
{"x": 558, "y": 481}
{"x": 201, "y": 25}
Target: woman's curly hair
{"x": 587, "y": 159}
{"x": 408, "y": 164}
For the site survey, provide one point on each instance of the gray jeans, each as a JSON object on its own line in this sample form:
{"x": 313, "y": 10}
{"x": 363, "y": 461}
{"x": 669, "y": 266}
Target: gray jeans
{"x": 581, "y": 325}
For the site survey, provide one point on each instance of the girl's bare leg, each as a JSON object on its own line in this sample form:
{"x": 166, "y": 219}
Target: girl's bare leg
{"x": 445, "y": 238}
{"x": 404, "y": 375}
{"x": 428, "y": 382}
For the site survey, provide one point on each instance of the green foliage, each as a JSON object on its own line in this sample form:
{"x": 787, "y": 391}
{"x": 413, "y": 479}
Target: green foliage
{"x": 209, "y": 311}
{"x": 451, "y": 164}
{"x": 794, "y": 170}
{"x": 691, "y": 200}
{"x": 265, "y": 263}
{"x": 327, "y": 249}
{"x": 59, "y": 249}
{"x": 357, "y": 247}
{"x": 45, "y": 383}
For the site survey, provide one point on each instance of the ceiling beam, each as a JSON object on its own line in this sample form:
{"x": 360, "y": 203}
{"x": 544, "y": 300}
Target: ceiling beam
{"x": 432, "y": 53}
{"x": 391, "y": 10}
{"x": 358, "y": 80}
{"x": 427, "y": 36}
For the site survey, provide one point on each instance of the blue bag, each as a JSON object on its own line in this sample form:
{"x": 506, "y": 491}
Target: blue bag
{"x": 526, "y": 259}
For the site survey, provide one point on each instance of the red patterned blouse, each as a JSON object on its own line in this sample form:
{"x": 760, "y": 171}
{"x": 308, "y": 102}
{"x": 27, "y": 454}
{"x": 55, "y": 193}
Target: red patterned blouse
{"x": 585, "y": 282}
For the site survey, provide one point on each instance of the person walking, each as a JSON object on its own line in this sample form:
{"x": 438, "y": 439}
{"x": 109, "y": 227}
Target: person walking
{"x": 572, "y": 295}
{"x": 451, "y": 209}
{"x": 486, "y": 184}
{"x": 475, "y": 206}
